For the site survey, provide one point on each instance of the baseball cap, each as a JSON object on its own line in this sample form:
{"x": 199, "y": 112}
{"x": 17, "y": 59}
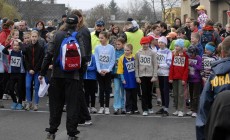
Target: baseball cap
{"x": 172, "y": 35}
{"x": 201, "y": 7}
{"x": 100, "y": 23}
{"x": 72, "y": 19}
{"x": 63, "y": 16}
{"x": 145, "y": 40}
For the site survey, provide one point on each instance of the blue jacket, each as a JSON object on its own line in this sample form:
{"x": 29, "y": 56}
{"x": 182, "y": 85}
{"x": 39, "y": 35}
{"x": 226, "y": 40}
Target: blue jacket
{"x": 3, "y": 61}
{"x": 91, "y": 72}
{"x": 218, "y": 81}
{"x": 118, "y": 54}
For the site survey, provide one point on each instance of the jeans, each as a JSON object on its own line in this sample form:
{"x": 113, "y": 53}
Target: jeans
{"x": 119, "y": 97}
{"x": 29, "y": 78}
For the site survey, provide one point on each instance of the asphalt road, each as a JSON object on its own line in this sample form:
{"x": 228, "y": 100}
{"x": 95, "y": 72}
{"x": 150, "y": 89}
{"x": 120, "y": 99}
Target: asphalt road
{"x": 22, "y": 125}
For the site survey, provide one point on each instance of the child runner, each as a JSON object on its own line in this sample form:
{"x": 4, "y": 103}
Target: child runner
{"x": 195, "y": 41}
{"x": 90, "y": 84}
{"x": 105, "y": 60}
{"x": 178, "y": 75}
{"x": 119, "y": 93}
{"x": 16, "y": 70}
{"x": 146, "y": 74}
{"x": 195, "y": 84}
{"x": 164, "y": 59}
{"x": 126, "y": 68}
{"x": 207, "y": 59}
{"x": 33, "y": 57}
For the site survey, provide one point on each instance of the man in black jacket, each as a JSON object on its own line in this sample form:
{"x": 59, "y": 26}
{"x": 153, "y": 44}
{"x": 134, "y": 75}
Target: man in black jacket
{"x": 64, "y": 86}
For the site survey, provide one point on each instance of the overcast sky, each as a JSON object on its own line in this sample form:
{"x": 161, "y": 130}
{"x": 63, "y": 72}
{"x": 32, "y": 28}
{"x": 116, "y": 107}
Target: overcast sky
{"x": 88, "y": 4}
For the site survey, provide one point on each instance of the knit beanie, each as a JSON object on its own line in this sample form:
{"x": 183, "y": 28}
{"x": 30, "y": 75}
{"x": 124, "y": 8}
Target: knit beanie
{"x": 163, "y": 39}
{"x": 180, "y": 43}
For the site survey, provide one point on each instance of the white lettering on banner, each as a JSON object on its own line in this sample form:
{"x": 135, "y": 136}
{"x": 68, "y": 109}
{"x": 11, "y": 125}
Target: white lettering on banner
{"x": 207, "y": 63}
{"x": 130, "y": 66}
{"x": 191, "y": 69}
{"x": 15, "y": 61}
{"x": 145, "y": 60}
{"x": 179, "y": 61}
{"x": 161, "y": 58}
{"x": 104, "y": 58}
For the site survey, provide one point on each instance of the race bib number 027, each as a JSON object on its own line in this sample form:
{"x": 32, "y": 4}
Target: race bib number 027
{"x": 15, "y": 61}
{"x": 145, "y": 60}
{"x": 104, "y": 58}
{"x": 179, "y": 61}
{"x": 130, "y": 66}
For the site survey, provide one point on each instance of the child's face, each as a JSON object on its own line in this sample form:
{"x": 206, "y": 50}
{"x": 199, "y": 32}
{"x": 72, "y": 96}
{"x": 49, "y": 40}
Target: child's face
{"x": 145, "y": 46}
{"x": 115, "y": 30}
{"x": 178, "y": 49}
{"x": 162, "y": 45}
{"x": 16, "y": 46}
{"x": 127, "y": 51}
{"x": 154, "y": 42}
{"x": 34, "y": 38}
{"x": 194, "y": 40}
{"x": 208, "y": 52}
{"x": 103, "y": 39}
{"x": 16, "y": 35}
{"x": 119, "y": 45}
{"x": 157, "y": 31}
{"x": 39, "y": 26}
{"x": 180, "y": 35}
{"x": 26, "y": 39}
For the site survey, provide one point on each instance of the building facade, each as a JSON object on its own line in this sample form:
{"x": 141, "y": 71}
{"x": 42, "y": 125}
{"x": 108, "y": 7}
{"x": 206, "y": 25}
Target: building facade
{"x": 216, "y": 9}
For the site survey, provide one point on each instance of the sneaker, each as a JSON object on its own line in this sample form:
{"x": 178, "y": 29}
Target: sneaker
{"x": 5, "y": 97}
{"x": 150, "y": 111}
{"x": 36, "y": 107}
{"x": 116, "y": 112}
{"x": 13, "y": 106}
{"x": 89, "y": 122}
{"x": 111, "y": 95}
{"x": 101, "y": 111}
{"x": 165, "y": 113}
{"x": 107, "y": 111}
{"x": 50, "y": 136}
{"x": 28, "y": 106}
{"x": 158, "y": 102}
{"x": 189, "y": 113}
{"x": 19, "y": 107}
{"x": 128, "y": 112}
{"x": 161, "y": 111}
{"x": 123, "y": 111}
{"x": 175, "y": 113}
{"x": 93, "y": 110}
{"x": 136, "y": 112}
{"x": 64, "y": 108}
{"x": 180, "y": 114}
{"x": 1, "y": 104}
{"x": 194, "y": 114}
{"x": 72, "y": 138}
{"x": 145, "y": 113}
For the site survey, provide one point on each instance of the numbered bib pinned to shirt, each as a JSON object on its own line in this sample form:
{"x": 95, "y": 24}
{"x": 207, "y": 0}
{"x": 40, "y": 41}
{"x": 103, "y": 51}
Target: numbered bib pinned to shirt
{"x": 179, "y": 61}
{"x": 207, "y": 63}
{"x": 161, "y": 58}
{"x": 15, "y": 61}
{"x": 104, "y": 58}
{"x": 145, "y": 60}
{"x": 130, "y": 66}
{"x": 191, "y": 69}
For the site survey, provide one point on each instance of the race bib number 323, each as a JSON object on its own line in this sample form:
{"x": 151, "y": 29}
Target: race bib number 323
{"x": 145, "y": 60}
{"x": 104, "y": 58}
{"x": 179, "y": 61}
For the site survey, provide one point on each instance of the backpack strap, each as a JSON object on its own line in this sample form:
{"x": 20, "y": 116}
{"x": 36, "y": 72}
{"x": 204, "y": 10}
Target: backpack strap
{"x": 74, "y": 34}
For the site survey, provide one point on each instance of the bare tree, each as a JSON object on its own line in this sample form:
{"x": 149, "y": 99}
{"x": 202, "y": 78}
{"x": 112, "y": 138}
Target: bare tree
{"x": 167, "y": 7}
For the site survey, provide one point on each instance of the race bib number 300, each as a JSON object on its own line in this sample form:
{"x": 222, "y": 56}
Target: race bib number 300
{"x": 145, "y": 60}
{"x": 130, "y": 66}
{"x": 179, "y": 61}
{"x": 104, "y": 58}
{"x": 161, "y": 58}
{"x": 15, "y": 61}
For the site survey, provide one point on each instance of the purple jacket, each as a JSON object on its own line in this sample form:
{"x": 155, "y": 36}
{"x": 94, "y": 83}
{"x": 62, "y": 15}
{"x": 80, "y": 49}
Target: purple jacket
{"x": 195, "y": 66}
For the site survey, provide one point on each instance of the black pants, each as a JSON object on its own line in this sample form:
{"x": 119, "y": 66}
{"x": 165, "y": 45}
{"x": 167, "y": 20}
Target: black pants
{"x": 104, "y": 89}
{"x": 164, "y": 88}
{"x": 3, "y": 82}
{"x": 16, "y": 78}
{"x": 62, "y": 90}
{"x": 146, "y": 89}
{"x": 89, "y": 87}
{"x": 195, "y": 91}
{"x": 131, "y": 99}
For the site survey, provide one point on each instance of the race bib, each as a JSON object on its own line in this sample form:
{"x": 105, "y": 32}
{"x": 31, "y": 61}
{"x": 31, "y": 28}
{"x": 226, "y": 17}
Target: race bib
{"x": 15, "y": 61}
{"x": 161, "y": 58}
{"x": 207, "y": 63}
{"x": 145, "y": 60}
{"x": 191, "y": 69}
{"x": 104, "y": 58}
{"x": 130, "y": 66}
{"x": 179, "y": 61}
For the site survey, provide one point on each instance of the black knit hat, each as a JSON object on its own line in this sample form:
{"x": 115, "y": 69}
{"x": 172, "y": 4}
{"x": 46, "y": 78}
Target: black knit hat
{"x": 72, "y": 19}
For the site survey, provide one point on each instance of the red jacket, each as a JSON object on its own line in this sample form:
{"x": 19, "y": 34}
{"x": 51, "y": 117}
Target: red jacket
{"x": 3, "y": 36}
{"x": 179, "y": 68}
